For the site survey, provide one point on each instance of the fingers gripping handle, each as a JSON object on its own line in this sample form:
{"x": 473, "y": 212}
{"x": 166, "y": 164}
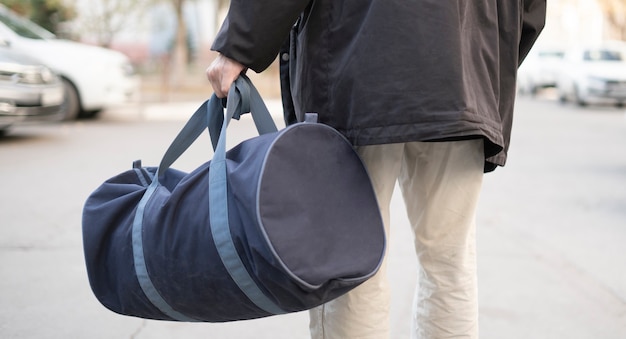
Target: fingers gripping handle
{"x": 243, "y": 98}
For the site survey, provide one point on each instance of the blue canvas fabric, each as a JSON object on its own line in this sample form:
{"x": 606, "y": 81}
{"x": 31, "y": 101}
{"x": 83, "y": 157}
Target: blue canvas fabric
{"x": 280, "y": 223}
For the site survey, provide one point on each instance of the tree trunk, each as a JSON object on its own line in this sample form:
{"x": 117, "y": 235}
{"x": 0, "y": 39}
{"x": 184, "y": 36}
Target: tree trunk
{"x": 180, "y": 56}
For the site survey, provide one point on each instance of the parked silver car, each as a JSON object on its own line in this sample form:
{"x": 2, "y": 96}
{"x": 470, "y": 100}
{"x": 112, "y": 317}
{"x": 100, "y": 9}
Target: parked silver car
{"x": 594, "y": 74}
{"x": 29, "y": 91}
{"x": 539, "y": 70}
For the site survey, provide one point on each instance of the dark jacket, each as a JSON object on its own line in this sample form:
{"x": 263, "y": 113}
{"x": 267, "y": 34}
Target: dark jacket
{"x": 387, "y": 71}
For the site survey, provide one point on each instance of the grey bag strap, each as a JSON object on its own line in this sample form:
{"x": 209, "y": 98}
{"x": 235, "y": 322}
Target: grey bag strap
{"x": 211, "y": 115}
{"x": 208, "y": 114}
{"x": 218, "y": 199}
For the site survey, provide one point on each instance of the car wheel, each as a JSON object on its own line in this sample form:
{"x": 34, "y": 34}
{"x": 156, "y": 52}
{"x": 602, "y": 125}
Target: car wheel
{"x": 578, "y": 98}
{"x": 89, "y": 114}
{"x": 71, "y": 105}
{"x": 534, "y": 90}
{"x": 562, "y": 97}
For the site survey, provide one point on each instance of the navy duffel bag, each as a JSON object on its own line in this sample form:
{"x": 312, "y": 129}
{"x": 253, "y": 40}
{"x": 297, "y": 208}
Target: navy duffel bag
{"x": 283, "y": 222}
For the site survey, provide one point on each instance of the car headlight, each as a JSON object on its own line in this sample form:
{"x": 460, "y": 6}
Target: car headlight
{"x": 35, "y": 76}
{"x": 47, "y": 76}
{"x": 28, "y": 77}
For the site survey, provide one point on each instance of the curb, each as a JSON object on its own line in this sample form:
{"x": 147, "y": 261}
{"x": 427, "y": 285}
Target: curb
{"x": 171, "y": 111}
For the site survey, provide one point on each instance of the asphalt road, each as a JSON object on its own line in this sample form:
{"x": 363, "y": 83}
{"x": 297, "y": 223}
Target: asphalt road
{"x": 551, "y": 228}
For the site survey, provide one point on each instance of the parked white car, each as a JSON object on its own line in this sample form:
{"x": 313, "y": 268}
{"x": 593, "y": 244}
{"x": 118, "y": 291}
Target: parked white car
{"x": 539, "y": 70}
{"x": 93, "y": 77}
{"x": 594, "y": 75}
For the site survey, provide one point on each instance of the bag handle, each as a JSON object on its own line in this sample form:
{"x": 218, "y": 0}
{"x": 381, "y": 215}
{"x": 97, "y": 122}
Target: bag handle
{"x": 244, "y": 98}
{"x": 218, "y": 199}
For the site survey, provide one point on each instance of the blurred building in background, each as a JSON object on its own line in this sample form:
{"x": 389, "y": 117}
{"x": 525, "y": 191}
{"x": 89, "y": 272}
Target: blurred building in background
{"x": 571, "y": 23}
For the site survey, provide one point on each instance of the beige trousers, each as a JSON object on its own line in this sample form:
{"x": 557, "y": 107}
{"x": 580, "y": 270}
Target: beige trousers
{"x": 440, "y": 183}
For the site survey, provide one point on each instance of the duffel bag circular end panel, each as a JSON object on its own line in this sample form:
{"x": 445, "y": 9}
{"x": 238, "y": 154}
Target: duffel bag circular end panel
{"x": 317, "y": 208}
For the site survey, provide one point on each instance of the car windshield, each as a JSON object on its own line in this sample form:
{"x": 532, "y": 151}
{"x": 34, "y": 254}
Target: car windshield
{"x": 604, "y": 55}
{"x": 23, "y": 27}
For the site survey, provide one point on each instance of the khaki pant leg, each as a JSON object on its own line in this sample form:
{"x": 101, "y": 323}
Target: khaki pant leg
{"x": 441, "y": 182}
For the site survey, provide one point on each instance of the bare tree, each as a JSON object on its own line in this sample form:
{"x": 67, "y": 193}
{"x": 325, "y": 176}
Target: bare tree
{"x": 107, "y": 18}
{"x": 46, "y": 13}
{"x": 181, "y": 52}
{"x": 176, "y": 67}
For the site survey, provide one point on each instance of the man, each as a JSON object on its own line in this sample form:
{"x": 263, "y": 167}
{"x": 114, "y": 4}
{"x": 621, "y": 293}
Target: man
{"x": 424, "y": 89}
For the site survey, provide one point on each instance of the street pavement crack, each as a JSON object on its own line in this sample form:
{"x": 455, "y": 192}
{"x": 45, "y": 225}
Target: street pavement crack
{"x": 138, "y": 331}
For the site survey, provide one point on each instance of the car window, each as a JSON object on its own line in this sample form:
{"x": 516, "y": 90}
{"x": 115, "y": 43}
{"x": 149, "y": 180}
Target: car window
{"x": 551, "y": 54}
{"x": 24, "y": 27}
{"x": 603, "y": 55}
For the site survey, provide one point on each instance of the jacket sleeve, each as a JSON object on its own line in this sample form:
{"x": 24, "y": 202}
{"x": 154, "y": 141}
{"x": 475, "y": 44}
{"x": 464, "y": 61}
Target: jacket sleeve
{"x": 533, "y": 21}
{"x": 253, "y": 31}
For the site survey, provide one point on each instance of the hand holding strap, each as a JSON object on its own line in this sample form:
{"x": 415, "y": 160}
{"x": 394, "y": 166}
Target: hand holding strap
{"x": 243, "y": 98}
